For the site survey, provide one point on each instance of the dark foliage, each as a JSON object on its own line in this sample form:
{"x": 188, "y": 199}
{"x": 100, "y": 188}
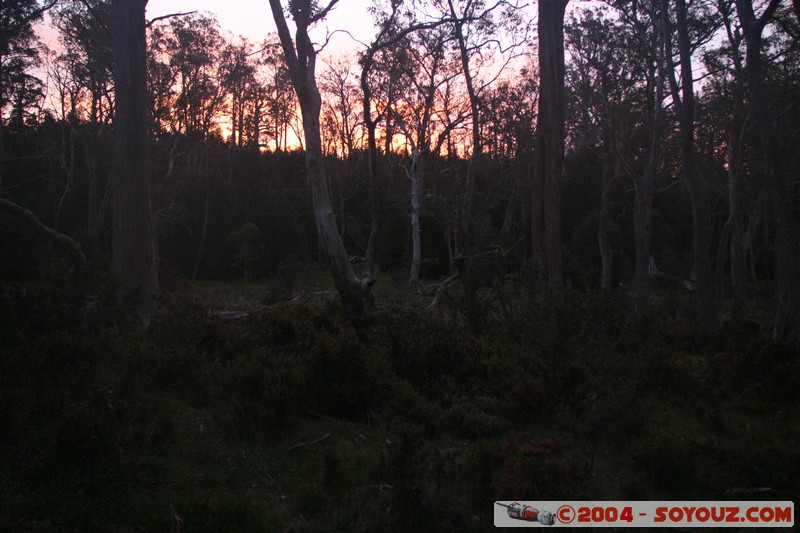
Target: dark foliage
{"x": 292, "y": 417}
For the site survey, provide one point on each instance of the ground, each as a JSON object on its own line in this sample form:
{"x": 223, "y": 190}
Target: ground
{"x": 290, "y": 419}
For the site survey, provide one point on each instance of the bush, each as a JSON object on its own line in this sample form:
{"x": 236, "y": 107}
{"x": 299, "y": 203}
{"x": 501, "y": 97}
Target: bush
{"x": 345, "y": 376}
{"x": 263, "y": 389}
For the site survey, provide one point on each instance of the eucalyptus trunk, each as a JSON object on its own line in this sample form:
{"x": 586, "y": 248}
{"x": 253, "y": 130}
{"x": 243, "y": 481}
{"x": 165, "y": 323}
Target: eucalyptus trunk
{"x": 133, "y": 233}
{"x": 417, "y": 173}
{"x": 301, "y": 59}
{"x": 787, "y": 265}
{"x": 546, "y": 224}
{"x": 707, "y": 310}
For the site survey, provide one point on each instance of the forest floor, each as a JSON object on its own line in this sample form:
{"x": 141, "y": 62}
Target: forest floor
{"x": 290, "y": 419}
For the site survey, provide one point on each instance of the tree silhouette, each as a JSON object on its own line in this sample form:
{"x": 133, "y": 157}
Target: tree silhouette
{"x": 133, "y": 234}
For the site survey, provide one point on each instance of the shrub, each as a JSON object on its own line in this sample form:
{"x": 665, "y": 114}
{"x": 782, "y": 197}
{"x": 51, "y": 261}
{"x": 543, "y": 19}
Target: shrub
{"x": 345, "y": 376}
{"x": 263, "y": 389}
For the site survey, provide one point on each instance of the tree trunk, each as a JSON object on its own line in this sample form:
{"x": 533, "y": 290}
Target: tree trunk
{"x": 372, "y": 161}
{"x": 134, "y": 246}
{"x": 466, "y": 205}
{"x": 643, "y": 186}
{"x": 2, "y": 132}
{"x": 738, "y": 248}
{"x": 300, "y": 57}
{"x": 606, "y": 255}
{"x": 550, "y": 138}
{"x": 787, "y": 265}
{"x": 642, "y": 217}
{"x": 707, "y": 312}
{"x": 537, "y": 212}
{"x": 417, "y": 172}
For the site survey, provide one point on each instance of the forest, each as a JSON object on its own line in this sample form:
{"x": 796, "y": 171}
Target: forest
{"x": 500, "y": 251}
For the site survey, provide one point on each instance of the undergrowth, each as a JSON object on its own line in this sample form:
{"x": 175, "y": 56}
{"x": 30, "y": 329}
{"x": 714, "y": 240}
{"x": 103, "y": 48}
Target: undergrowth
{"x": 291, "y": 419}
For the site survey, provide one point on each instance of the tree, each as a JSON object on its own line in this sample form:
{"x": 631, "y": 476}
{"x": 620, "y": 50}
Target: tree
{"x": 603, "y": 86}
{"x": 639, "y": 149}
{"x": 475, "y": 30}
{"x": 247, "y": 243}
{"x": 238, "y": 78}
{"x": 684, "y": 101}
{"x": 725, "y": 98}
{"x": 340, "y": 106}
{"x": 85, "y": 35}
{"x": 550, "y": 131}
{"x": 378, "y": 61}
{"x": 194, "y": 50}
{"x": 421, "y": 112}
{"x": 18, "y": 43}
{"x": 787, "y": 269}
{"x": 17, "y": 54}
{"x": 87, "y": 58}
{"x": 133, "y": 234}
{"x": 24, "y": 98}
{"x": 301, "y": 60}
{"x": 280, "y": 99}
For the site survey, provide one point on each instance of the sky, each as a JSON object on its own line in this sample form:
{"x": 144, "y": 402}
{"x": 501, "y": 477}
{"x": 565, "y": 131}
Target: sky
{"x": 253, "y": 19}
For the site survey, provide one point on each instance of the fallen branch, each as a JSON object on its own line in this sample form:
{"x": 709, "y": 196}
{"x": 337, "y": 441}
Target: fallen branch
{"x": 381, "y": 487}
{"x": 437, "y": 290}
{"x": 230, "y": 315}
{"x": 309, "y": 443}
{"x": 748, "y": 491}
{"x": 299, "y": 297}
{"x": 325, "y": 417}
{"x": 70, "y": 247}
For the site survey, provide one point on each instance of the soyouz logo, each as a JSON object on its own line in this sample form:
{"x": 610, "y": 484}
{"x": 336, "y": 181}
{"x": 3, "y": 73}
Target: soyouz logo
{"x": 528, "y": 513}
{"x": 644, "y": 514}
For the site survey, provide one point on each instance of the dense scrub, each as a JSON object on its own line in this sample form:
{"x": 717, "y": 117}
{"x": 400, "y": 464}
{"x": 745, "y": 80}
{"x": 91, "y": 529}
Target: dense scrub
{"x": 291, "y": 419}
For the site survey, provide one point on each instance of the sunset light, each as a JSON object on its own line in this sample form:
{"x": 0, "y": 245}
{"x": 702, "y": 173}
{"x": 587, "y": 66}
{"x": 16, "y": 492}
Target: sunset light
{"x": 399, "y": 265}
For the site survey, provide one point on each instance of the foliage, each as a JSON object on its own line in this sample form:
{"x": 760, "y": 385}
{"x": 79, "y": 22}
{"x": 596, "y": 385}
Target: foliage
{"x": 290, "y": 418}
{"x": 293, "y": 418}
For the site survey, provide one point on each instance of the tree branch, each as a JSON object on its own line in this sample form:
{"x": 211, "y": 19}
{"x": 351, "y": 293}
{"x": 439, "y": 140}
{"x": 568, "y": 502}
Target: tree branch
{"x": 70, "y": 247}
{"x": 163, "y": 17}
{"x": 324, "y": 13}
{"x": 286, "y": 39}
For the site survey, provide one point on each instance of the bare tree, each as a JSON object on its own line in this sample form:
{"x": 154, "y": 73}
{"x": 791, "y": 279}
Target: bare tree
{"x": 301, "y": 59}
{"x": 341, "y": 105}
{"x": 392, "y": 33}
{"x": 70, "y": 248}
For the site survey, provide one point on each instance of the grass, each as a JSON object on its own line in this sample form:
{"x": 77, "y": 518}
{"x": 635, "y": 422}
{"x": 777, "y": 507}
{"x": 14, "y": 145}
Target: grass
{"x": 291, "y": 420}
